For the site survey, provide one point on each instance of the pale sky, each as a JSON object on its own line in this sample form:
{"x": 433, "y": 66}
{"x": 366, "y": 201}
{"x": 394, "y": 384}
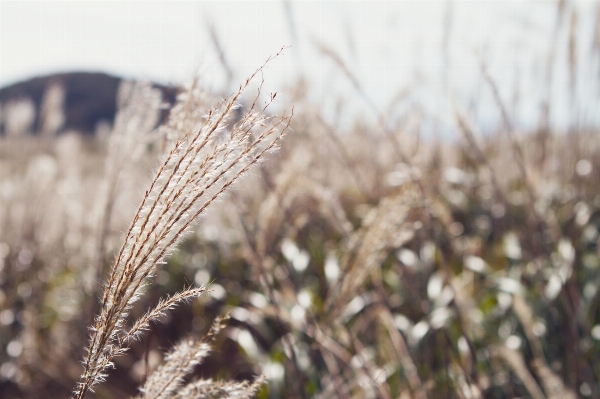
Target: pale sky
{"x": 389, "y": 46}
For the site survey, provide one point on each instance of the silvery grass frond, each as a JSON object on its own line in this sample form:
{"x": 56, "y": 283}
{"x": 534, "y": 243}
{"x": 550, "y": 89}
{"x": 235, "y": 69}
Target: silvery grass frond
{"x": 169, "y": 378}
{"x": 200, "y": 166}
{"x": 143, "y": 323}
{"x": 209, "y": 389}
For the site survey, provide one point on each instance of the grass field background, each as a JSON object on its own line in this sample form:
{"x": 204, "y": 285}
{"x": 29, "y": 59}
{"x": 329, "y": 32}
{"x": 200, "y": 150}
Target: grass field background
{"x": 407, "y": 253}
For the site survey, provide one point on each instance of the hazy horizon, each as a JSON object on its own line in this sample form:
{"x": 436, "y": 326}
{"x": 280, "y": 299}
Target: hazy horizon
{"x": 432, "y": 49}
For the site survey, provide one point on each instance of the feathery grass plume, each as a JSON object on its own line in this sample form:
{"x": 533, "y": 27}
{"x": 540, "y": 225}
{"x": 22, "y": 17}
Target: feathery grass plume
{"x": 167, "y": 382}
{"x": 387, "y": 226}
{"x": 200, "y": 166}
{"x": 168, "y": 378}
{"x": 208, "y": 389}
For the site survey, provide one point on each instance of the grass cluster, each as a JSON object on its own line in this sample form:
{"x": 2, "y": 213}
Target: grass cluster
{"x": 369, "y": 263}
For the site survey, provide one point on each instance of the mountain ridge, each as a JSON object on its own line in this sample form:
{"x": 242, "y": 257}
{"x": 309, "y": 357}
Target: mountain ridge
{"x": 90, "y": 98}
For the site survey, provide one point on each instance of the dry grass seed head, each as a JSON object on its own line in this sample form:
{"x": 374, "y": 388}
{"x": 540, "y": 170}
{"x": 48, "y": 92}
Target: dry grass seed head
{"x": 196, "y": 171}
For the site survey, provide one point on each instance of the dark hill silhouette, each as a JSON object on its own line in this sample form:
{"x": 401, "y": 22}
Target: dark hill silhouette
{"x": 90, "y": 98}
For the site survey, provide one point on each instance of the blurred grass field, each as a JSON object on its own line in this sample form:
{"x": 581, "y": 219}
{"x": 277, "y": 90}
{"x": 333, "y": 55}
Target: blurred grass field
{"x": 365, "y": 262}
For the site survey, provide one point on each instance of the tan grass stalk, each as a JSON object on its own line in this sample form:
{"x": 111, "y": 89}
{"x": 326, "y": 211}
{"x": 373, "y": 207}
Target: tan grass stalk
{"x": 552, "y": 383}
{"x": 403, "y": 354}
{"x": 214, "y": 37}
{"x": 540, "y": 224}
{"x": 330, "y": 345}
{"x": 517, "y": 364}
{"x": 467, "y": 132}
{"x": 336, "y": 385}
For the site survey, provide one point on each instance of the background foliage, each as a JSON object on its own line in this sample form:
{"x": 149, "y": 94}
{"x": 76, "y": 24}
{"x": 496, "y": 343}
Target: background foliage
{"x": 370, "y": 262}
